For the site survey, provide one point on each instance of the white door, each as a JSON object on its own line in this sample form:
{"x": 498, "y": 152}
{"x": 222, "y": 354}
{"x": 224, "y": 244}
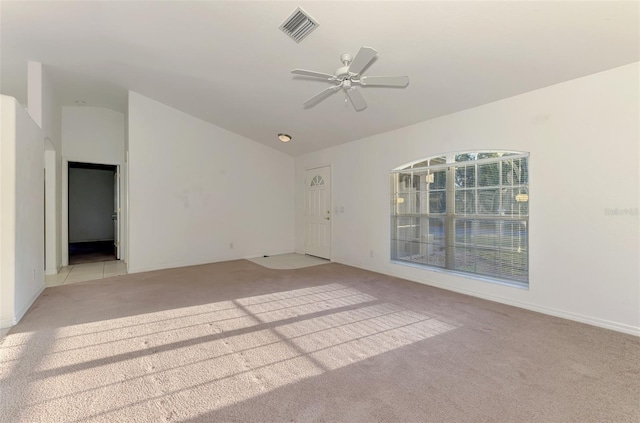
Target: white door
{"x": 116, "y": 213}
{"x": 318, "y": 212}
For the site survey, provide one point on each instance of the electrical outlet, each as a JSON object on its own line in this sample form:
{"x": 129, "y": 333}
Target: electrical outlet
{"x": 231, "y": 245}
{"x": 33, "y": 275}
{"x": 371, "y": 253}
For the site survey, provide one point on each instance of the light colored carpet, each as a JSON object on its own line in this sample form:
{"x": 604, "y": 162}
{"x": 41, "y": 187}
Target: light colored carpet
{"x": 288, "y": 261}
{"x": 239, "y": 342}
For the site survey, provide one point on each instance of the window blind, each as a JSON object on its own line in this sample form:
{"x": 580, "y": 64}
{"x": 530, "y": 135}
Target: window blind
{"x": 464, "y": 212}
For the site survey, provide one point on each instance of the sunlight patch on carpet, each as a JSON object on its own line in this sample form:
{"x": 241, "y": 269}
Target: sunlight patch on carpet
{"x": 194, "y": 360}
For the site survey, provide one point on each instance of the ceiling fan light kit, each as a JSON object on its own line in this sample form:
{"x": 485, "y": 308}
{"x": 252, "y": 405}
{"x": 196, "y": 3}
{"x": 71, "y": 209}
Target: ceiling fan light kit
{"x": 348, "y": 77}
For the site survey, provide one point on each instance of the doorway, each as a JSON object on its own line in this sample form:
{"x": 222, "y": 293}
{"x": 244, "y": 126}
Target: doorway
{"x": 317, "y": 211}
{"x": 93, "y": 209}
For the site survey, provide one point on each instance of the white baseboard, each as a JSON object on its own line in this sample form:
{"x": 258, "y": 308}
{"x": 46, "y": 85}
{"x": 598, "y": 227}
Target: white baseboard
{"x": 7, "y": 322}
{"x": 23, "y": 310}
{"x": 54, "y": 271}
{"x": 165, "y": 266}
{"x": 273, "y": 253}
{"x": 176, "y": 265}
{"x": 593, "y": 321}
{"x": 590, "y": 320}
{"x": 10, "y": 321}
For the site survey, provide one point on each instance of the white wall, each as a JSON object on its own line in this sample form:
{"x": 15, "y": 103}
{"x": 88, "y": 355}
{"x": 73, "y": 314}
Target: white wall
{"x": 583, "y": 136}
{"x": 44, "y": 108}
{"x": 29, "y": 278}
{"x": 195, "y": 188}
{"x": 22, "y": 212}
{"x": 7, "y": 209}
{"x": 124, "y": 192}
{"x": 52, "y": 128}
{"x": 91, "y": 135}
{"x": 51, "y": 112}
{"x": 51, "y": 212}
{"x": 90, "y": 205}
{"x": 34, "y": 91}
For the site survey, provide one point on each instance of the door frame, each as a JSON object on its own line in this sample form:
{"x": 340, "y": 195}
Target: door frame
{"x": 65, "y": 205}
{"x": 304, "y": 178}
{"x": 51, "y": 242}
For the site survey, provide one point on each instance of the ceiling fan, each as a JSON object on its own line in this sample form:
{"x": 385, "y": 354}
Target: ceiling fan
{"x": 348, "y": 78}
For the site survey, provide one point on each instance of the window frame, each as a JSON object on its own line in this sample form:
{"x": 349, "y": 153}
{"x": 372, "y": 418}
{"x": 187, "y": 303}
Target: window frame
{"x": 506, "y": 259}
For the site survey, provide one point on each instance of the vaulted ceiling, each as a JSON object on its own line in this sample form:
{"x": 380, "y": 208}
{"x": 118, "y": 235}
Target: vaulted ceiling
{"x": 228, "y": 63}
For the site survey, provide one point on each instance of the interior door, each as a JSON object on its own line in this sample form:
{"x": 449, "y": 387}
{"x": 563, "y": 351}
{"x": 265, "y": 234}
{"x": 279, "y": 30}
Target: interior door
{"x": 116, "y": 213}
{"x": 318, "y": 212}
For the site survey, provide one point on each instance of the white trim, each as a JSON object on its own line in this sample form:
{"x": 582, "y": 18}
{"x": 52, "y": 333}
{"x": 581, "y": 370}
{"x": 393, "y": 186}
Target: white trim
{"x": 451, "y": 159}
{"x": 275, "y": 253}
{"x": 576, "y": 317}
{"x": 20, "y": 313}
{"x": 131, "y": 270}
{"x": 51, "y": 195}
{"x": 332, "y": 214}
{"x": 65, "y": 204}
{"x": 9, "y": 322}
{"x": 474, "y": 276}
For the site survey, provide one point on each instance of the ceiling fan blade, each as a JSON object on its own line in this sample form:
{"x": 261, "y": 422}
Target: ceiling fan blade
{"x": 314, "y": 74}
{"x": 385, "y": 81}
{"x": 356, "y": 99}
{"x": 322, "y": 95}
{"x": 362, "y": 59}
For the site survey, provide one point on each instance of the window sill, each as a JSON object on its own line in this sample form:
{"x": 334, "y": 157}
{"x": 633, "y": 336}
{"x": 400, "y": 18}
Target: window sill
{"x": 495, "y": 281}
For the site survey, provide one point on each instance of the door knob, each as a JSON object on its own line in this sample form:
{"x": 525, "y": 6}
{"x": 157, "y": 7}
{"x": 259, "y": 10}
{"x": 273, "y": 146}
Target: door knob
{"x": 327, "y": 218}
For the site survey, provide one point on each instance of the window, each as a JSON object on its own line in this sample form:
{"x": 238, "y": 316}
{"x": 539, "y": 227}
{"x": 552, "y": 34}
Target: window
{"x": 464, "y": 212}
{"x": 317, "y": 181}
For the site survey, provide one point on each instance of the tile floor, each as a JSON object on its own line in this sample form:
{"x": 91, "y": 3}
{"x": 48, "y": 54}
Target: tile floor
{"x": 86, "y": 272}
{"x": 288, "y": 261}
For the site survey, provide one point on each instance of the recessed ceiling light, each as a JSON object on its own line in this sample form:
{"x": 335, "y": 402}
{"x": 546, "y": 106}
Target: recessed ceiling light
{"x": 81, "y": 102}
{"x": 284, "y": 137}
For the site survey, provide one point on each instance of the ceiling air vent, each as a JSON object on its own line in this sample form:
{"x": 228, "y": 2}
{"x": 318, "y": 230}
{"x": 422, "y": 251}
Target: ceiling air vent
{"x": 298, "y": 25}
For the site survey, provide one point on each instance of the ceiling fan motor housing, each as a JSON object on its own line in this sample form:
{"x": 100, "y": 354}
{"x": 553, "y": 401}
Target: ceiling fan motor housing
{"x": 342, "y": 72}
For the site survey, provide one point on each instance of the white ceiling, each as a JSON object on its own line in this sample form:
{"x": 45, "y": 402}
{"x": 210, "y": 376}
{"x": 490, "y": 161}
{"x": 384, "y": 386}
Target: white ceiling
{"x": 229, "y": 64}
